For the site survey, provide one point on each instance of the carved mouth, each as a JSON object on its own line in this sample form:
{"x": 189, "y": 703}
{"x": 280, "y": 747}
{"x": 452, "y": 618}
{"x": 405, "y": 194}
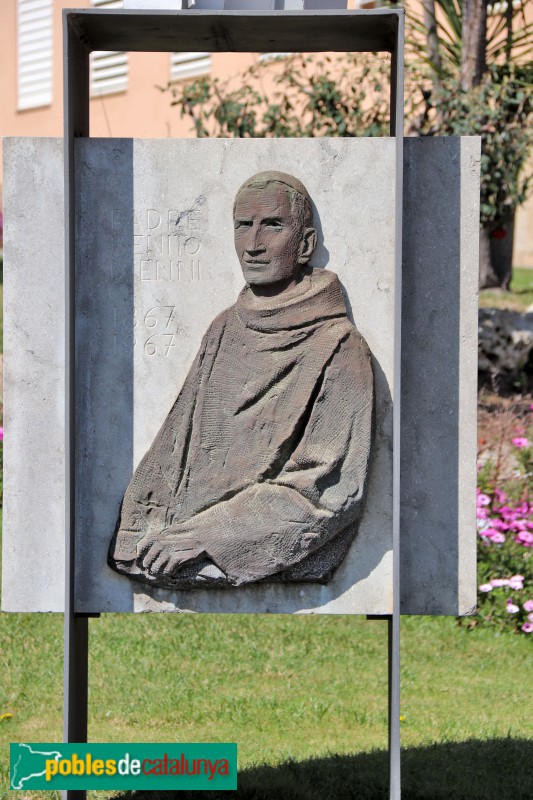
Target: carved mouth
{"x": 256, "y": 263}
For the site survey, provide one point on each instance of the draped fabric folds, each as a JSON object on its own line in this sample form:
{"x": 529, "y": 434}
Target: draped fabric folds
{"x": 263, "y": 458}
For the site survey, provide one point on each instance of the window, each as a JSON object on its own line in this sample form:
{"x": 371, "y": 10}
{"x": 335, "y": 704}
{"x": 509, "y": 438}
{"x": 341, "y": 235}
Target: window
{"x": 189, "y": 65}
{"x": 265, "y": 57}
{"x": 109, "y": 68}
{"x": 494, "y": 9}
{"x": 34, "y": 53}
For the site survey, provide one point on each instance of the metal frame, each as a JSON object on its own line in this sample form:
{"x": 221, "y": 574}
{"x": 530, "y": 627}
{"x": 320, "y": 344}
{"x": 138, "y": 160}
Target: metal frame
{"x": 85, "y": 30}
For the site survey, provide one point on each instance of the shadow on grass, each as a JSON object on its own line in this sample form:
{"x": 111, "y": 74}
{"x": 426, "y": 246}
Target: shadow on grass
{"x": 493, "y": 769}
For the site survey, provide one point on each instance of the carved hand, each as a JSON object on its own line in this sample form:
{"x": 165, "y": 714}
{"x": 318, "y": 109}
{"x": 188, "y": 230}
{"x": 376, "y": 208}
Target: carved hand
{"x": 165, "y": 554}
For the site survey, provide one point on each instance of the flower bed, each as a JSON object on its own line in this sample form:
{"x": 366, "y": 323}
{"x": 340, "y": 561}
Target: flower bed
{"x": 505, "y": 534}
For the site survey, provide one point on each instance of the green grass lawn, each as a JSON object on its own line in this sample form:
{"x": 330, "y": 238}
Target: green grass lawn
{"x": 518, "y": 299}
{"x": 307, "y": 689}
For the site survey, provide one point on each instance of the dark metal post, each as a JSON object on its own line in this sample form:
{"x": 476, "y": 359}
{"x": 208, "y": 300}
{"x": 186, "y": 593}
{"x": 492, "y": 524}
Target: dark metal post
{"x": 397, "y": 80}
{"x": 76, "y": 627}
{"x": 393, "y": 648}
{"x": 395, "y": 790}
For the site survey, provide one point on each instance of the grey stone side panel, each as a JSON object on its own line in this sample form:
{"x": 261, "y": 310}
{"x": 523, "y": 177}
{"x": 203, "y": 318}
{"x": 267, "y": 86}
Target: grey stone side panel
{"x": 104, "y": 357}
{"x": 439, "y": 375}
{"x": 34, "y": 464}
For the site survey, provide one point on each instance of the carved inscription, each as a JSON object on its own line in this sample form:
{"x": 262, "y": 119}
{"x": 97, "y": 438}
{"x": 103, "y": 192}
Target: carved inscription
{"x": 155, "y": 331}
{"x": 169, "y": 269}
{"x": 167, "y": 243}
{"x": 163, "y": 329}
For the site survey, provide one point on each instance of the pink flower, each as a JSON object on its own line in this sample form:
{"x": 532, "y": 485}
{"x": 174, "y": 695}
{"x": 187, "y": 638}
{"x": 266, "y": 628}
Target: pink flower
{"x": 499, "y": 524}
{"x": 497, "y": 582}
{"x": 485, "y": 587}
{"x": 525, "y": 537}
{"x": 483, "y": 499}
{"x": 1, "y": 434}
{"x": 528, "y": 605}
{"x": 490, "y": 533}
{"x": 530, "y": 617}
{"x": 531, "y": 407}
{"x": 527, "y": 627}
{"x": 516, "y": 582}
{"x": 520, "y": 442}
{"x": 510, "y": 607}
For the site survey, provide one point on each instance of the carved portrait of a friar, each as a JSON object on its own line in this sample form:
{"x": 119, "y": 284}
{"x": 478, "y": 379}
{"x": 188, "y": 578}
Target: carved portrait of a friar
{"x": 260, "y": 469}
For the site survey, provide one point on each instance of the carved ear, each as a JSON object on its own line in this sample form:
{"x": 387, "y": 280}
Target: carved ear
{"x": 307, "y": 245}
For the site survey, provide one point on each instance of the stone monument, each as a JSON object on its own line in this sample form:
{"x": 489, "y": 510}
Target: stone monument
{"x": 156, "y": 265}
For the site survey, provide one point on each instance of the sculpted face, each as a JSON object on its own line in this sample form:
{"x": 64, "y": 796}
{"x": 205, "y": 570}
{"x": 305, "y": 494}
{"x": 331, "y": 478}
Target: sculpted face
{"x": 271, "y": 239}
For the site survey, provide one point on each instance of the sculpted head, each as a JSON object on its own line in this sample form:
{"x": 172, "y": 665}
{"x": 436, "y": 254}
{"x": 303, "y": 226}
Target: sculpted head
{"x": 274, "y": 234}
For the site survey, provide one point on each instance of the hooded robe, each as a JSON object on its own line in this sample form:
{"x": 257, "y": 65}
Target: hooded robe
{"x": 264, "y": 454}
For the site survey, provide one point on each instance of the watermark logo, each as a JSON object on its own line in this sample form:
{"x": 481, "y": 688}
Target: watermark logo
{"x": 123, "y": 766}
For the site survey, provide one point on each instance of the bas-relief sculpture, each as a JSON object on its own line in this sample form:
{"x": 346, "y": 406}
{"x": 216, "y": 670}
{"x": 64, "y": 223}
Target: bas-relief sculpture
{"x": 259, "y": 471}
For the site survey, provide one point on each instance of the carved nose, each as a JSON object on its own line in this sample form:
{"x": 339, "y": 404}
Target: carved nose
{"x": 255, "y": 251}
{"x": 255, "y": 247}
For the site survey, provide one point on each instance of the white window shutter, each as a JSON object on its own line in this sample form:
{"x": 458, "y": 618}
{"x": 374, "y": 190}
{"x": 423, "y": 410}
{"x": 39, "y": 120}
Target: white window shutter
{"x": 265, "y": 57}
{"x": 109, "y": 68}
{"x": 34, "y": 53}
{"x": 189, "y": 65}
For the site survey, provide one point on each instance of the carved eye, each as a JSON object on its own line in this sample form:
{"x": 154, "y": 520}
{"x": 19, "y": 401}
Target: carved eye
{"x": 242, "y": 223}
